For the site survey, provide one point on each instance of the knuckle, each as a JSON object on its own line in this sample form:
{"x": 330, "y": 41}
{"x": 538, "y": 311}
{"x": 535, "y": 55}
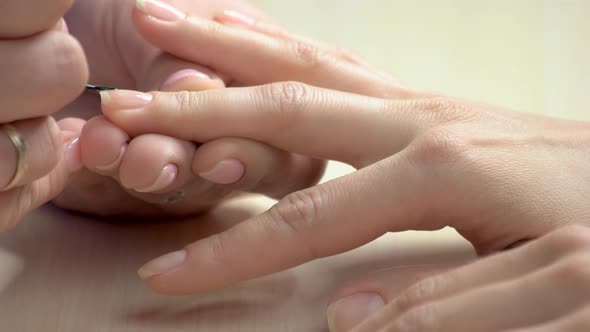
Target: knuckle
{"x": 416, "y": 294}
{"x": 211, "y": 29}
{"x": 444, "y": 109}
{"x": 306, "y": 54}
{"x": 186, "y": 101}
{"x": 439, "y": 146}
{"x": 298, "y": 210}
{"x": 217, "y": 248}
{"x": 288, "y": 97}
{"x": 568, "y": 239}
{"x": 419, "y": 319}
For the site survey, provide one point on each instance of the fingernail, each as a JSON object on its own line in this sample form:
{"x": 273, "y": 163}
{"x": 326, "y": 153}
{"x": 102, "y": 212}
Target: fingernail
{"x": 160, "y": 10}
{"x": 225, "y": 172}
{"x": 125, "y": 99}
{"x": 113, "y": 165}
{"x": 73, "y": 155}
{"x": 166, "y": 178}
{"x": 182, "y": 75}
{"x": 234, "y": 17}
{"x": 349, "y": 312}
{"x": 163, "y": 264}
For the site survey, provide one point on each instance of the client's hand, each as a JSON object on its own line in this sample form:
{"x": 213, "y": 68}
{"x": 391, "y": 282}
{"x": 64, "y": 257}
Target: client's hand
{"x": 424, "y": 162}
{"x": 543, "y": 286}
{"x": 153, "y": 174}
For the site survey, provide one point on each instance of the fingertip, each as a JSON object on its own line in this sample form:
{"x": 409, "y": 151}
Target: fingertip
{"x": 156, "y": 164}
{"x": 74, "y": 125}
{"x": 102, "y": 145}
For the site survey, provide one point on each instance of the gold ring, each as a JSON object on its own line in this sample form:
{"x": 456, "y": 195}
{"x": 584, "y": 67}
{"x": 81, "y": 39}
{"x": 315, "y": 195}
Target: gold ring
{"x": 21, "y": 150}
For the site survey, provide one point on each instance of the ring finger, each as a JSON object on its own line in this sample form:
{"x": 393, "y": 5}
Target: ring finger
{"x": 42, "y": 150}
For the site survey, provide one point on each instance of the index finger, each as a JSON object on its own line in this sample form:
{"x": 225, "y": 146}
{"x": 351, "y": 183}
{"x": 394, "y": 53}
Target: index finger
{"x": 322, "y": 221}
{"x": 291, "y": 116}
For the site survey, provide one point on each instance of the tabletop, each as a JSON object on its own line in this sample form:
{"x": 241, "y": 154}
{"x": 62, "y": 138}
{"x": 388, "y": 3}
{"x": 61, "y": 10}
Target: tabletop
{"x": 68, "y": 273}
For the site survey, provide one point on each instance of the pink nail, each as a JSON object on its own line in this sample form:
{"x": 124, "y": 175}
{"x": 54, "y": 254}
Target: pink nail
{"x": 73, "y": 155}
{"x": 225, "y": 172}
{"x": 163, "y": 264}
{"x": 234, "y": 17}
{"x": 160, "y": 10}
{"x": 182, "y": 75}
{"x": 115, "y": 164}
{"x": 124, "y": 99}
{"x": 166, "y": 178}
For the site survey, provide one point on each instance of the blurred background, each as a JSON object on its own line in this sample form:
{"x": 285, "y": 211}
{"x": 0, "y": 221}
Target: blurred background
{"x": 530, "y": 55}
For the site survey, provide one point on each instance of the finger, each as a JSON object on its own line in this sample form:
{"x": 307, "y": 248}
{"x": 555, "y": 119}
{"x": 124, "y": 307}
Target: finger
{"x": 290, "y": 116}
{"x": 43, "y": 145}
{"x": 20, "y": 18}
{"x": 103, "y": 146}
{"x": 156, "y": 164}
{"x": 17, "y": 203}
{"x": 499, "y": 268}
{"x": 72, "y": 125}
{"x": 314, "y": 223}
{"x": 357, "y": 300}
{"x": 251, "y": 166}
{"x": 574, "y": 322}
{"x": 168, "y": 73}
{"x": 238, "y": 19}
{"x": 536, "y": 298}
{"x": 254, "y": 58}
{"x": 40, "y": 75}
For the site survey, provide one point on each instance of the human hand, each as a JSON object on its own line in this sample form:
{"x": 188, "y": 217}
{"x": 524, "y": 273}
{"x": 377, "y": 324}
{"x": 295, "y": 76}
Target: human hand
{"x": 543, "y": 286}
{"x": 43, "y": 68}
{"x": 155, "y": 175}
{"x": 424, "y": 161}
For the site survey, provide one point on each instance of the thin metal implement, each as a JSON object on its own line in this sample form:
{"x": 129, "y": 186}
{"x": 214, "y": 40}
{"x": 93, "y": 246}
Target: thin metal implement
{"x": 98, "y": 88}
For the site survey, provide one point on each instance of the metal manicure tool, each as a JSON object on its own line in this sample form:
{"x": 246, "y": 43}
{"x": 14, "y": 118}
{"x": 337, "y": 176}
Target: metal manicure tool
{"x": 98, "y": 88}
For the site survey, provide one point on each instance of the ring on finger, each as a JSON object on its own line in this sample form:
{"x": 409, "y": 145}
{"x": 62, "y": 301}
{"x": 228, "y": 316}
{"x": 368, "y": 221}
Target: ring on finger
{"x": 21, "y": 149}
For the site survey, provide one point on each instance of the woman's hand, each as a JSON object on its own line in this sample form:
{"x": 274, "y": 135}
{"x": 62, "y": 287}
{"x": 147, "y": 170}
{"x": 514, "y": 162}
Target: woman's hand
{"x": 424, "y": 161}
{"x": 543, "y": 286}
{"x": 151, "y": 175}
{"x": 42, "y": 69}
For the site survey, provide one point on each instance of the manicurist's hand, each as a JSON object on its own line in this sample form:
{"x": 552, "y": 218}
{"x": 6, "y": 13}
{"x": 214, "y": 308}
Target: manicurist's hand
{"x": 424, "y": 161}
{"x": 42, "y": 69}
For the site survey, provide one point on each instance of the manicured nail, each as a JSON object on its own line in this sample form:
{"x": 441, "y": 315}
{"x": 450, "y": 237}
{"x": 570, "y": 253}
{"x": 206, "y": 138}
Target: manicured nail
{"x": 160, "y": 10}
{"x": 115, "y": 164}
{"x": 73, "y": 155}
{"x": 186, "y": 74}
{"x": 163, "y": 264}
{"x": 349, "y": 312}
{"x": 234, "y": 17}
{"x": 125, "y": 99}
{"x": 166, "y": 178}
{"x": 225, "y": 172}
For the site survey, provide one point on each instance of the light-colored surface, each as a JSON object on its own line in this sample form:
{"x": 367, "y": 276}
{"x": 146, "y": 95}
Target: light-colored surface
{"x": 532, "y": 55}
{"x": 66, "y": 273}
